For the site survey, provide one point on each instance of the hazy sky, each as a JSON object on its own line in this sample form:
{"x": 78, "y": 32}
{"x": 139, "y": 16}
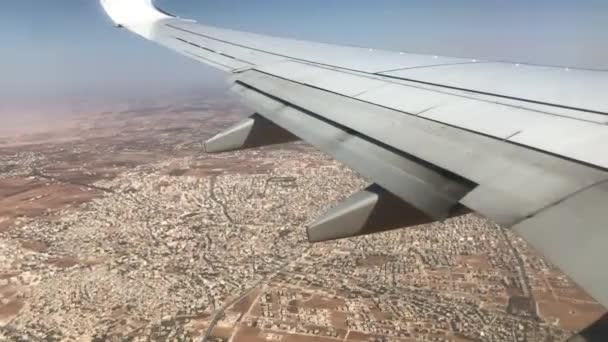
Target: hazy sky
{"x": 65, "y": 49}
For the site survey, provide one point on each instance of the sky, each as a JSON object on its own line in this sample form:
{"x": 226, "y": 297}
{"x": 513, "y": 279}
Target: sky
{"x": 65, "y": 50}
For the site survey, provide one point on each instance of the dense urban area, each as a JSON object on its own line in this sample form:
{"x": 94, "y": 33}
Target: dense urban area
{"x": 120, "y": 228}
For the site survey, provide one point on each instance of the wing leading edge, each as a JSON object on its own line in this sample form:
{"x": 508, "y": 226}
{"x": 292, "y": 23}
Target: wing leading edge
{"x": 520, "y": 144}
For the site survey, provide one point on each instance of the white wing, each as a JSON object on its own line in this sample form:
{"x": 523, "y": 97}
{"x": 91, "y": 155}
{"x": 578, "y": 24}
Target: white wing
{"x": 520, "y": 144}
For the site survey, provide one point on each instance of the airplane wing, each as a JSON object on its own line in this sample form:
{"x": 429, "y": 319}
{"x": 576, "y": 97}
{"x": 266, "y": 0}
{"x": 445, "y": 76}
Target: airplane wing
{"x": 523, "y": 145}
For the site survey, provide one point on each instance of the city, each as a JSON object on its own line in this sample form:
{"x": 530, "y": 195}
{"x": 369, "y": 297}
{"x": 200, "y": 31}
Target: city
{"x": 129, "y": 231}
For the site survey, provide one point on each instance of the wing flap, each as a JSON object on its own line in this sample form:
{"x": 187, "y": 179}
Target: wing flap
{"x": 499, "y": 120}
{"x": 513, "y": 182}
{"x": 434, "y": 192}
{"x": 573, "y": 235}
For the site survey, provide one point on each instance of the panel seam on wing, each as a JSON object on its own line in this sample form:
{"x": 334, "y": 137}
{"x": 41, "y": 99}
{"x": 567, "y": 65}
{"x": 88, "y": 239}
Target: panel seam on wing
{"x": 399, "y": 78}
{"x": 562, "y": 200}
{"x": 562, "y": 157}
{"x": 430, "y": 66}
{"x": 454, "y": 176}
{"x": 438, "y": 91}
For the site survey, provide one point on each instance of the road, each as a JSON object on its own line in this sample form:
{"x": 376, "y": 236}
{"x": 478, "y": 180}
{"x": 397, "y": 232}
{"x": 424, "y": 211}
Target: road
{"x": 220, "y": 312}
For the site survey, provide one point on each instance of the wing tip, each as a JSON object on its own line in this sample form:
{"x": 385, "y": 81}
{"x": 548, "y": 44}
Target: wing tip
{"x": 137, "y": 15}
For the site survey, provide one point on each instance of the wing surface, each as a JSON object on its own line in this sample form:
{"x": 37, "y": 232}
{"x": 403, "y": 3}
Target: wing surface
{"x": 521, "y": 144}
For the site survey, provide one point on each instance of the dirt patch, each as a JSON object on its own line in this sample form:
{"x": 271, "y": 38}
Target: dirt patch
{"x": 498, "y": 301}
{"x": 572, "y": 316}
{"x": 381, "y": 315}
{"x": 9, "y": 275}
{"x": 338, "y": 319}
{"x": 37, "y": 198}
{"x": 11, "y": 308}
{"x": 64, "y": 262}
{"x": 35, "y": 246}
{"x": 256, "y": 311}
{"x": 14, "y": 186}
{"x": 6, "y": 224}
{"x": 177, "y": 172}
{"x": 243, "y": 305}
{"x": 359, "y": 336}
{"x": 373, "y": 260}
{"x": 479, "y": 262}
{"x": 222, "y": 332}
{"x": 573, "y": 293}
{"x": 318, "y": 302}
{"x": 248, "y": 334}
{"x": 8, "y": 291}
{"x": 198, "y": 327}
{"x": 306, "y": 338}
{"x": 543, "y": 295}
